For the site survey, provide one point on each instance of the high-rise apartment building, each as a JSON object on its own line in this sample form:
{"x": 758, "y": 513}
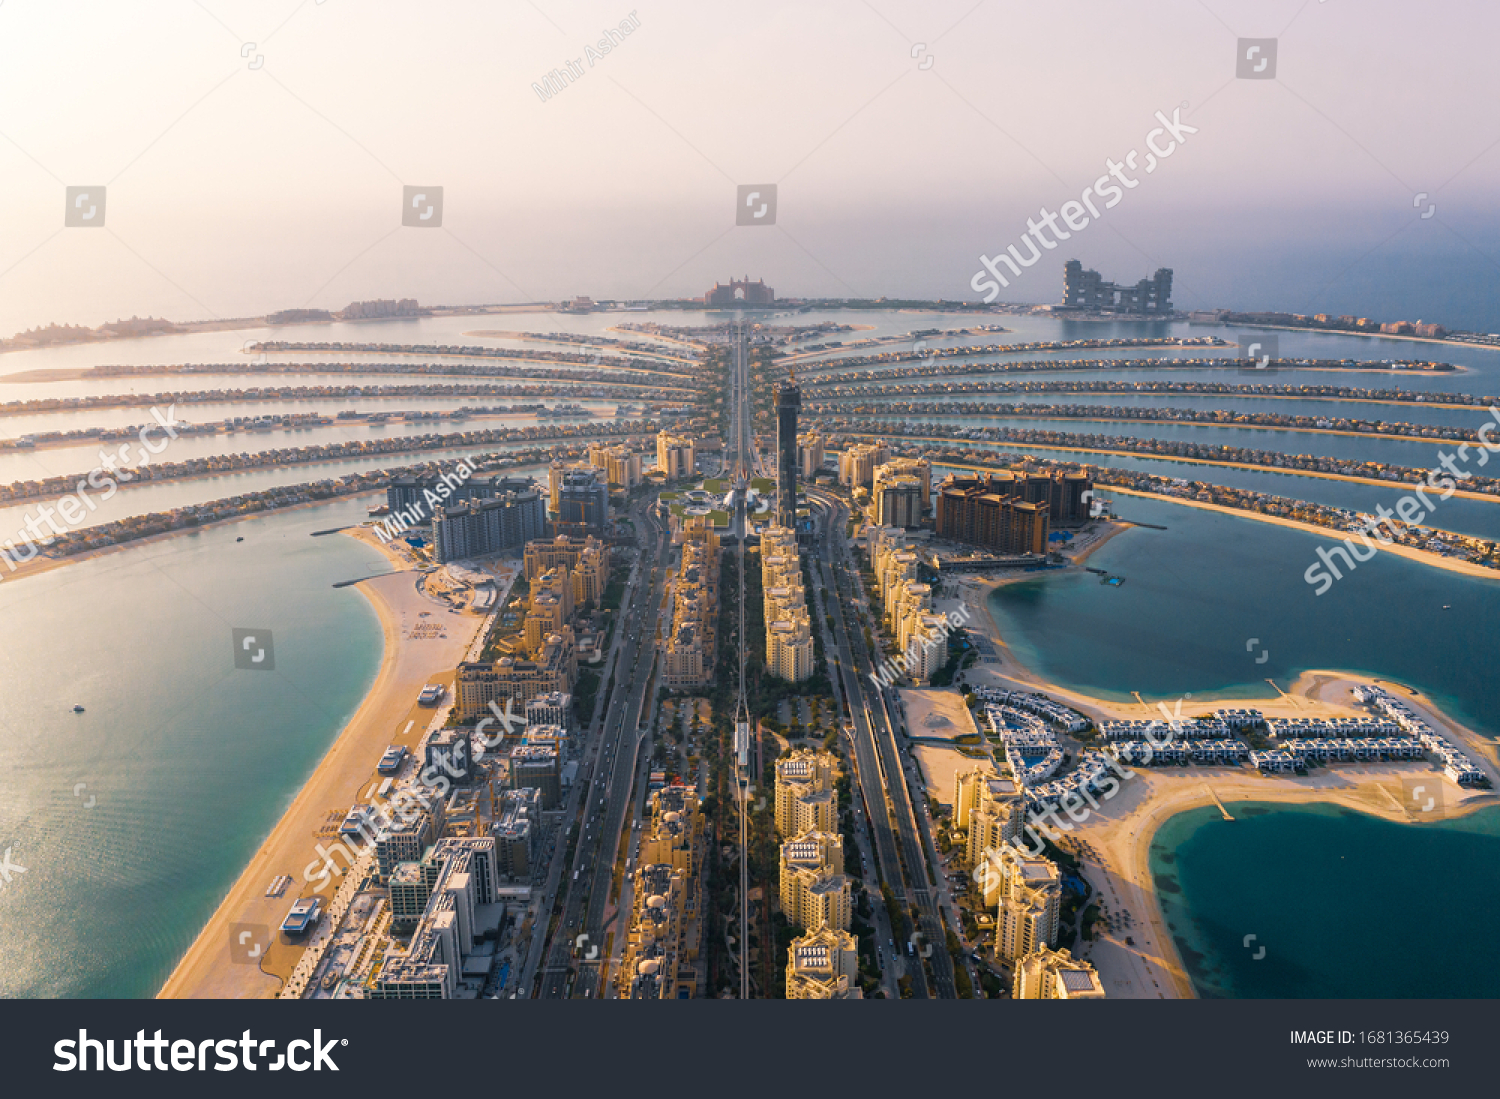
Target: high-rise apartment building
{"x": 991, "y": 807}
{"x": 1087, "y": 290}
{"x": 788, "y": 404}
{"x": 823, "y": 965}
{"x": 815, "y": 892}
{"x": 897, "y": 501}
{"x": 676, "y": 456}
{"x": 920, "y": 468}
{"x": 810, "y": 454}
{"x": 441, "y": 897}
{"x": 490, "y": 525}
{"x": 688, "y": 651}
{"x": 582, "y": 501}
{"x": 553, "y": 709}
{"x": 1027, "y": 893}
{"x": 665, "y": 930}
{"x": 619, "y": 464}
{"x": 805, "y": 798}
{"x": 517, "y": 832}
{"x": 586, "y": 559}
{"x": 857, "y": 463}
{"x": 921, "y": 633}
{"x": 789, "y": 640}
{"x": 538, "y": 766}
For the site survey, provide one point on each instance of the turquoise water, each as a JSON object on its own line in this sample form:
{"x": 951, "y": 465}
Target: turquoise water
{"x": 190, "y": 762}
{"x": 1331, "y": 894}
{"x": 1196, "y": 593}
{"x": 1344, "y": 904}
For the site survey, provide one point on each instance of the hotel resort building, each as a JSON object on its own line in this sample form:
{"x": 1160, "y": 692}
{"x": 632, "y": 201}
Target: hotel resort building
{"x": 585, "y": 560}
{"x": 553, "y": 669}
{"x": 1056, "y": 975}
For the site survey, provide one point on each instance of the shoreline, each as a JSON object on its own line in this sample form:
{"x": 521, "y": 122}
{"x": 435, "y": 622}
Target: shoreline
{"x": 1118, "y": 836}
{"x": 387, "y": 714}
{"x": 1411, "y": 553}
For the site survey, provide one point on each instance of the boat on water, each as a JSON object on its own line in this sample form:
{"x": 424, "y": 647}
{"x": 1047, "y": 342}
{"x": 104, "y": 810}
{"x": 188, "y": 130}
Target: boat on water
{"x": 78, "y": 709}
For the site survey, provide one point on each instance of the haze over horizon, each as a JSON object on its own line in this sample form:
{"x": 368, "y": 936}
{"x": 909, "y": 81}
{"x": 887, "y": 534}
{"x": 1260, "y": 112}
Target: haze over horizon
{"x": 235, "y": 191}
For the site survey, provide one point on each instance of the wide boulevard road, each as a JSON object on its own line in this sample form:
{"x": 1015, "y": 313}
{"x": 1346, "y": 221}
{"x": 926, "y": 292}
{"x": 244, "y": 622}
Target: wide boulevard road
{"x": 883, "y": 784}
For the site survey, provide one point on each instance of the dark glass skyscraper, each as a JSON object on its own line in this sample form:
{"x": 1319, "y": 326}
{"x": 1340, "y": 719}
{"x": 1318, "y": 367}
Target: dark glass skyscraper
{"x": 788, "y": 403}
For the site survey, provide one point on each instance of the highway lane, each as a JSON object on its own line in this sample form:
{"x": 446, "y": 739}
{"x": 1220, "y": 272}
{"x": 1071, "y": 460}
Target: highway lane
{"x": 873, "y": 778}
{"x": 866, "y": 771}
{"x": 874, "y": 727}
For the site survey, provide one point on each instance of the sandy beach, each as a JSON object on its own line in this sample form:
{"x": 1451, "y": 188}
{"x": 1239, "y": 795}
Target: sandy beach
{"x": 1113, "y": 843}
{"x": 1426, "y": 557}
{"x": 388, "y": 715}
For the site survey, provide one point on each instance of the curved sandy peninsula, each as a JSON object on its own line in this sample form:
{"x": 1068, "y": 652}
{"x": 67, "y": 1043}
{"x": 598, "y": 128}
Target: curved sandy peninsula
{"x": 388, "y": 715}
{"x": 1411, "y": 553}
{"x": 1136, "y": 957}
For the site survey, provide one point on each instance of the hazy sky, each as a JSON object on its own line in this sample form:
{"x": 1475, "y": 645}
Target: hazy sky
{"x": 235, "y": 190}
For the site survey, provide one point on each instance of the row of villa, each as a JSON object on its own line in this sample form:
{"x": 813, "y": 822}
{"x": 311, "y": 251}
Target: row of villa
{"x": 1457, "y": 765}
{"x": 1145, "y": 754}
{"x": 1064, "y": 717}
